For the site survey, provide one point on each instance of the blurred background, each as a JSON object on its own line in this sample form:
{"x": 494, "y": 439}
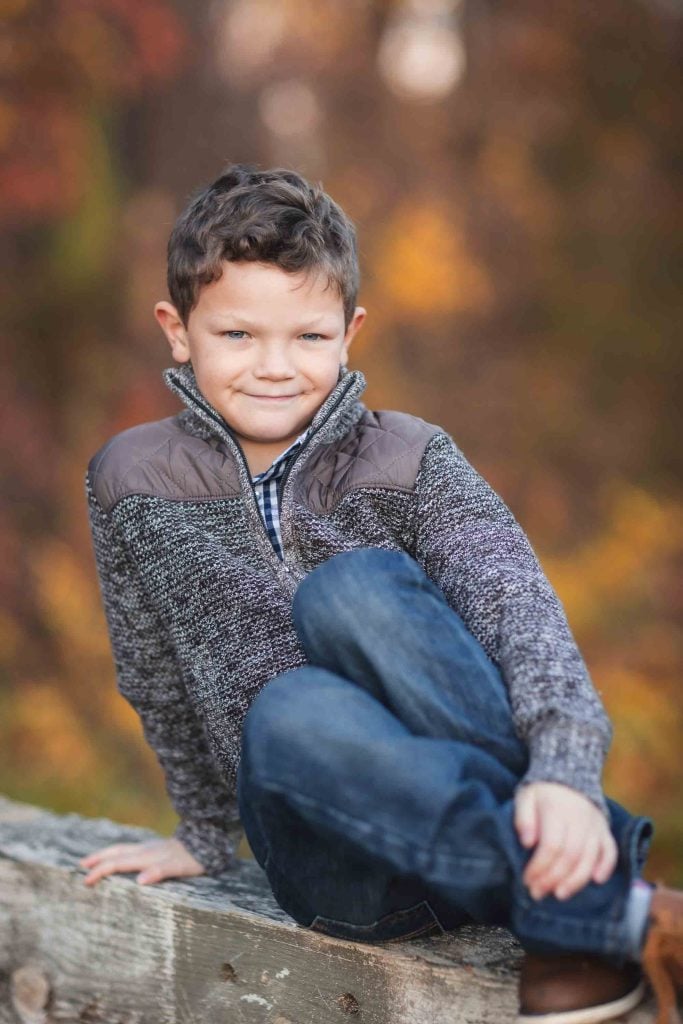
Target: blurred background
{"x": 515, "y": 174}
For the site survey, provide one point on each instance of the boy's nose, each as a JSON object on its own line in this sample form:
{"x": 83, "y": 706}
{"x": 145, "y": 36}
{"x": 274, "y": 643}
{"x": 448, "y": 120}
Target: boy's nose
{"x": 274, "y": 363}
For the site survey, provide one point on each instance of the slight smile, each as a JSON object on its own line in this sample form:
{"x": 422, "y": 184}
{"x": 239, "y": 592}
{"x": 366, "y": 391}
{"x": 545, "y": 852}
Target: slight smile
{"x": 273, "y": 398}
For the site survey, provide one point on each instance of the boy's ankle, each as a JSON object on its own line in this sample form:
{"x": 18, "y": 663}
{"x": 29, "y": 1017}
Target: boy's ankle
{"x": 637, "y": 916}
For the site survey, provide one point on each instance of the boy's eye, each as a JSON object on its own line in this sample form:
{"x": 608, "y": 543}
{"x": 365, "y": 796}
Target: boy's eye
{"x": 311, "y": 334}
{"x": 233, "y": 332}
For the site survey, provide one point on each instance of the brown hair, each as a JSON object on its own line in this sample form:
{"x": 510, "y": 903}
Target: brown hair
{"x": 273, "y": 216}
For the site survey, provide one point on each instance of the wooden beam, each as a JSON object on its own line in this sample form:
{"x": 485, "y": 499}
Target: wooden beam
{"x": 203, "y": 950}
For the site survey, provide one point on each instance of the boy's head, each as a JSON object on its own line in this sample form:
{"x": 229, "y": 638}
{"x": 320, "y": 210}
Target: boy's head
{"x": 263, "y": 277}
{"x": 270, "y": 216}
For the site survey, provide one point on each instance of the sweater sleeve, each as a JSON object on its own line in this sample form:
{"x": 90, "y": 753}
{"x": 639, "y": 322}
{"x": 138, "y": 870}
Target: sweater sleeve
{"x": 149, "y": 678}
{"x": 470, "y": 545}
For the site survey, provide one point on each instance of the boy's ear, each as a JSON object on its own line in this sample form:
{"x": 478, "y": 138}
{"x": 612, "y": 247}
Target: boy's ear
{"x": 354, "y": 326}
{"x": 173, "y": 327}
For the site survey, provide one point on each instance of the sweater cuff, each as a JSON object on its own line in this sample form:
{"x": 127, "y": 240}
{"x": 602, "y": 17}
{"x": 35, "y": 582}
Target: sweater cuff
{"x": 213, "y": 847}
{"x": 571, "y": 753}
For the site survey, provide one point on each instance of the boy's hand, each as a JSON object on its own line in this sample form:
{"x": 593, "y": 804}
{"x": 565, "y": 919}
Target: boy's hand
{"x": 155, "y": 859}
{"x": 575, "y": 844}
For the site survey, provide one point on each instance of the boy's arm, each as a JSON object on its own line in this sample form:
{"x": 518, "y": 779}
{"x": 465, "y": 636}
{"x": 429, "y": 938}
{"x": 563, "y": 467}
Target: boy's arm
{"x": 148, "y": 676}
{"x": 470, "y": 544}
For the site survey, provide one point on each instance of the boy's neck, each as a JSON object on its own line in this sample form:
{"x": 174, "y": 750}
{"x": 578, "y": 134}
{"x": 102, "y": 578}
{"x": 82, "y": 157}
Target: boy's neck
{"x": 261, "y": 455}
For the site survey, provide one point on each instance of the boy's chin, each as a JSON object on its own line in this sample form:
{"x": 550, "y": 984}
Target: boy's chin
{"x": 270, "y": 429}
{"x": 270, "y": 438}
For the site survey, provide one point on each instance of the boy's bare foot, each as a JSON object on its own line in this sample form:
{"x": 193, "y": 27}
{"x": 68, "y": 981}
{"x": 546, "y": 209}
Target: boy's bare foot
{"x": 576, "y": 988}
{"x": 663, "y": 950}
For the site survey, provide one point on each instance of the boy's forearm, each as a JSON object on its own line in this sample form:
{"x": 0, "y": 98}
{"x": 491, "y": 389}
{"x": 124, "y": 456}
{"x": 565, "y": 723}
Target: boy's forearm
{"x": 555, "y": 707}
{"x": 470, "y": 544}
{"x": 149, "y": 678}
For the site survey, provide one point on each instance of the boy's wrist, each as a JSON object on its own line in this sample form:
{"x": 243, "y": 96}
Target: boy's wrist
{"x": 214, "y": 848}
{"x": 594, "y": 793}
{"x": 571, "y": 753}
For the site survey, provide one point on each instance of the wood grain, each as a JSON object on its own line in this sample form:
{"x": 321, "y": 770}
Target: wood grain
{"x": 200, "y": 950}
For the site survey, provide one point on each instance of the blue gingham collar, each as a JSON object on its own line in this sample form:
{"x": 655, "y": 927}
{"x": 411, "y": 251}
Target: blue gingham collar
{"x": 277, "y": 463}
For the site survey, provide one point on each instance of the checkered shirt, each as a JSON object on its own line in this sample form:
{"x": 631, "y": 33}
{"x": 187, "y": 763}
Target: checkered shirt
{"x": 266, "y": 487}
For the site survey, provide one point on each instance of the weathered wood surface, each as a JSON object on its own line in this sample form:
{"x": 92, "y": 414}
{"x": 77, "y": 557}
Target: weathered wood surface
{"x": 198, "y": 951}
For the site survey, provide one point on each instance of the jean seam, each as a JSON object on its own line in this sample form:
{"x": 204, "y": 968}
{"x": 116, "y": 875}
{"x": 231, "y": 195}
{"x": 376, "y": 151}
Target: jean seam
{"x": 532, "y": 906}
{"x": 393, "y": 838}
{"x": 608, "y": 927}
{"x": 418, "y": 931}
{"x": 613, "y": 933}
{"x": 366, "y": 931}
{"x": 390, "y": 916}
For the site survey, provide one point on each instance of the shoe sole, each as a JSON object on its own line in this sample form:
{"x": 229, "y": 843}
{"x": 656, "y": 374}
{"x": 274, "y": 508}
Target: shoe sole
{"x": 589, "y": 1014}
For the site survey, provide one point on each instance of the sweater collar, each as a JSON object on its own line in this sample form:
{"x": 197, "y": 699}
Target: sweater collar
{"x": 340, "y": 410}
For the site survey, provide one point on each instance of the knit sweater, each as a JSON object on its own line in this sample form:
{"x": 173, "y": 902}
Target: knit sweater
{"x": 198, "y": 603}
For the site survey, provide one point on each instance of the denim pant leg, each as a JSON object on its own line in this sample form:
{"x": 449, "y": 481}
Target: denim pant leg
{"x": 396, "y": 745}
{"x": 317, "y": 876}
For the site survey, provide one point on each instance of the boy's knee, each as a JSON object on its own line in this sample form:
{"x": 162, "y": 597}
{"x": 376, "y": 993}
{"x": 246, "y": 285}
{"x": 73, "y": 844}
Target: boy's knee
{"x": 347, "y": 584}
{"x": 277, "y": 711}
{"x": 268, "y": 709}
{"x": 286, "y": 718}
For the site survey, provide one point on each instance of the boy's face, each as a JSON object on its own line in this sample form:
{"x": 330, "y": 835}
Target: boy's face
{"x": 266, "y": 346}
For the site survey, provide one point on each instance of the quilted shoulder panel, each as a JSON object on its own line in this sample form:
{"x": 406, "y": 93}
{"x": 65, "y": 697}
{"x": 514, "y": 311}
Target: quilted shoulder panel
{"x": 383, "y": 449}
{"x": 160, "y": 459}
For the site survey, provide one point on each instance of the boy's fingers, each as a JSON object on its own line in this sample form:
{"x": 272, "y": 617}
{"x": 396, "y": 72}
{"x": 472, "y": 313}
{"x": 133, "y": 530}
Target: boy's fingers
{"x": 107, "y": 851}
{"x": 92, "y": 858}
{"x": 155, "y": 860}
{"x": 134, "y": 861}
{"x": 607, "y": 860}
{"x": 550, "y": 846}
{"x": 564, "y": 864}
{"x": 526, "y": 818}
{"x": 97, "y": 874}
{"x": 154, "y": 874}
{"x": 170, "y": 868}
{"x": 577, "y": 878}
{"x": 104, "y": 869}
{"x": 565, "y": 859}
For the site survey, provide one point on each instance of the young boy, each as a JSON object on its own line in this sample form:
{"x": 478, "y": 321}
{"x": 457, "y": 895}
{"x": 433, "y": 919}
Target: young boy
{"x": 336, "y": 633}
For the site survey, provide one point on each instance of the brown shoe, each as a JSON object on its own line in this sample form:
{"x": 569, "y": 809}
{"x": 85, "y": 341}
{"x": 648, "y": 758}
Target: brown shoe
{"x": 663, "y": 951}
{"x": 576, "y": 988}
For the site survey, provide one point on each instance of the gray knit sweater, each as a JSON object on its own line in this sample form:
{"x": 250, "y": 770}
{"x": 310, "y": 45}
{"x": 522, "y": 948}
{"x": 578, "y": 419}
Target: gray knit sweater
{"x": 198, "y": 603}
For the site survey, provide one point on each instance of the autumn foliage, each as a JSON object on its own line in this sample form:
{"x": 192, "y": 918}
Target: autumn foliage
{"x": 520, "y": 239}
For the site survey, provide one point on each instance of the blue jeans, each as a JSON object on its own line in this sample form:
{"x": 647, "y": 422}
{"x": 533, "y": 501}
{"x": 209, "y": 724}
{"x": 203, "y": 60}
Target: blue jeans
{"x": 376, "y": 783}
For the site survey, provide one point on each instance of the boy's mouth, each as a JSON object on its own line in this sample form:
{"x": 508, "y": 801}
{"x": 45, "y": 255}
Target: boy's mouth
{"x": 273, "y": 398}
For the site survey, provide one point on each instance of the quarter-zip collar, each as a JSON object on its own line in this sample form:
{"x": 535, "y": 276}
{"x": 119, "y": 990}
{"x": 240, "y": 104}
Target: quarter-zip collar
{"x": 340, "y": 410}
{"x": 338, "y": 413}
